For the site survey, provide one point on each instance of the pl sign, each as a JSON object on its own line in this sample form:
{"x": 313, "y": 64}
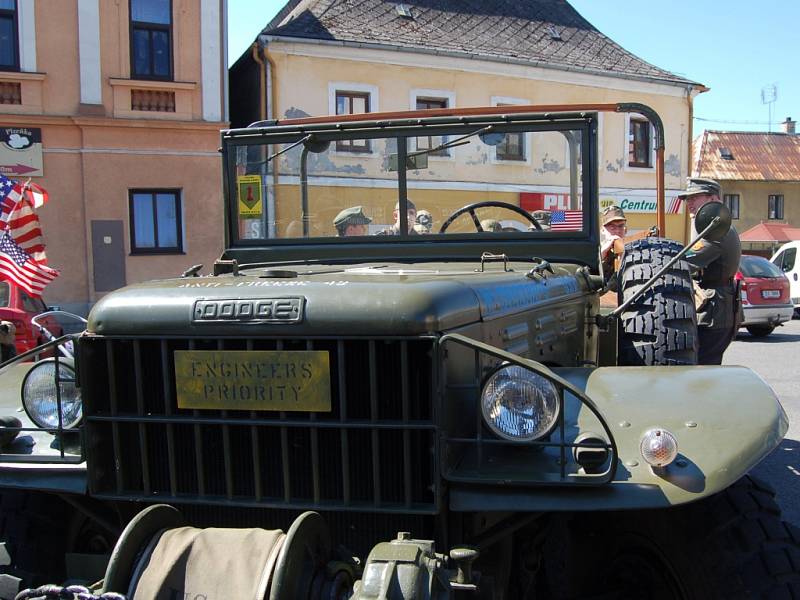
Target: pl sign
{"x": 631, "y": 201}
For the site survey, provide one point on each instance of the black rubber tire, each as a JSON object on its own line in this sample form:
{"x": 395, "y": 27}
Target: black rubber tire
{"x": 660, "y": 327}
{"x": 731, "y": 545}
{"x": 33, "y": 527}
{"x": 760, "y": 330}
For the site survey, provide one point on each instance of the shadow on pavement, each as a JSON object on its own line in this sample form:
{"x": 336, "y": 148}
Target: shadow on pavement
{"x": 776, "y": 337}
{"x": 781, "y": 470}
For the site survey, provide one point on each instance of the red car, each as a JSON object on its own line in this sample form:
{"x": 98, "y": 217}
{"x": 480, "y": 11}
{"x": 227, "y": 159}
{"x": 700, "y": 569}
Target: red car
{"x": 19, "y": 308}
{"x": 765, "y": 295}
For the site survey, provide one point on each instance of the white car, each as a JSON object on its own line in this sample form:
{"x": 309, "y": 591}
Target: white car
{"x": 786, "y": 259}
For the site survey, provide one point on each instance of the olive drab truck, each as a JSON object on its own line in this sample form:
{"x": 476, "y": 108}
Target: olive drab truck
{"x": 422, "y": 415}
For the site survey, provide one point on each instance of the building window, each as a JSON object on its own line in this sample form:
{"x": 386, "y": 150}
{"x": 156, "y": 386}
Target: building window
{"x": 155, "y": 217}
{"x": 432, "y": 141}
{"x": 352, "y": 103}
{"x": 640, "y": 143}
{"x": 9, "y": 36}
{"x": 513, "y": 145}
{"x": 775, "y": 209}
{"x": 151, "y": 39}
{"x": 732, "y": 202}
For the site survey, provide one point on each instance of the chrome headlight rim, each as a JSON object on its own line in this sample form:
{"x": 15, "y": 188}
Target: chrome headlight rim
{"x": 551, "y": 386}
{"x": 27, "y": 402}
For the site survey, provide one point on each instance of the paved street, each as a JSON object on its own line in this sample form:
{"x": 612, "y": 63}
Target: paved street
{"x": 774, "y": 359}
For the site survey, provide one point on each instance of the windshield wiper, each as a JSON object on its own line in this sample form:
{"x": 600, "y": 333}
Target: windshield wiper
{"x": 461, "y": 141}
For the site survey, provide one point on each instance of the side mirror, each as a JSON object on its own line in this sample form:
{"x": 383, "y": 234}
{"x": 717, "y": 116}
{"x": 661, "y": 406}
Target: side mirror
{"x": 706, "y": 215}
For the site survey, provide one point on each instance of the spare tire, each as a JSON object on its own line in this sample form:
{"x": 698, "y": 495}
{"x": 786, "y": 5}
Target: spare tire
{"x": 659, "y": 327}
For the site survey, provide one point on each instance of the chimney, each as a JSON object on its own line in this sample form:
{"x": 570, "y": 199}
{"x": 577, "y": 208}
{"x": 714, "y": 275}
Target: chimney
{"x": 788, "y": 126}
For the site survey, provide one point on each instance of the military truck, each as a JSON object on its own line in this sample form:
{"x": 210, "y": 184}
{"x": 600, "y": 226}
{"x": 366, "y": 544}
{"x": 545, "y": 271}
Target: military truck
{"x": 326, "y": 412}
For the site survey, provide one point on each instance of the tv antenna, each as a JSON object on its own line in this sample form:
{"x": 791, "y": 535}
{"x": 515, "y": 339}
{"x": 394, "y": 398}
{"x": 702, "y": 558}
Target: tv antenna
{"x": 769, "y": 93}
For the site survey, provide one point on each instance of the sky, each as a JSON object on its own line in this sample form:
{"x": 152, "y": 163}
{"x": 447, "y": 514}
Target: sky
{"x": 737, "y": 48}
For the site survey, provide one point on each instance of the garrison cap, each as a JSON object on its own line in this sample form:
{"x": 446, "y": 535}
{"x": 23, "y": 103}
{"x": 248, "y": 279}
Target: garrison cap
{"x": 352, "y": 216}
{"x": 698, "y": 185}
{"x": 613, "y": 213}
{"x": 411, "y": 205}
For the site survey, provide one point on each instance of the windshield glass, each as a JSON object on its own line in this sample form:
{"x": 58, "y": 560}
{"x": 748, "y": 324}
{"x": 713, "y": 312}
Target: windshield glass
{"x": 756, "y": 266}
{"x": 511, "y": 180}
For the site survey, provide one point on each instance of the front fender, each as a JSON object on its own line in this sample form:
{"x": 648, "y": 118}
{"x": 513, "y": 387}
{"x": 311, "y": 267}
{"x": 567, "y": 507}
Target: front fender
{"x": 725, "y": 419}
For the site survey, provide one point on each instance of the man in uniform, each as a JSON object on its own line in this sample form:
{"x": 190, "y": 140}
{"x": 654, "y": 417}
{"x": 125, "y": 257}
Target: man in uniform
{"x": 351, "y": 221}
{"x": 715, "y": 264}
{"x": 424, "y": 222}
{"x": 412, "y": 218}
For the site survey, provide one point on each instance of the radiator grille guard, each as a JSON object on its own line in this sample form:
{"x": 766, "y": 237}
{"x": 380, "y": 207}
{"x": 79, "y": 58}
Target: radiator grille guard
{"x": 476, "y": 456}
{"x": 375, "y": 451}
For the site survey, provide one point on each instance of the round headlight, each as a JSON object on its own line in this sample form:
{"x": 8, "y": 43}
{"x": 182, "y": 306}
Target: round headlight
{"x": 39, "y": 395}
{"x": 518, "y": 404}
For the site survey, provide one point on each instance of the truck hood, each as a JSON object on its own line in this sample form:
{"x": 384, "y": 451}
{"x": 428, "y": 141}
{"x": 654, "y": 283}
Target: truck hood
{"x": 386, "y": 299}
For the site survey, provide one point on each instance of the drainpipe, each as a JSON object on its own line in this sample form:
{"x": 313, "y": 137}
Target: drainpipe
{"x": 687, "y": 222}
{"x": 266, "y": 110}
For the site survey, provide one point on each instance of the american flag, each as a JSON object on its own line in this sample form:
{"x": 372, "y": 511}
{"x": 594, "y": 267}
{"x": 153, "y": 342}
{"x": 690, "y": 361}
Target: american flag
{"x": 17, "y": 266}
{"x": 18, "y": 218}
{"x": 566, "y": 220}
{"x": 10, "y": 194}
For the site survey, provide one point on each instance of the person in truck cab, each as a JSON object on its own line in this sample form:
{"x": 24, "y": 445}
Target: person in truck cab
{"x": 351, "y": 221}
{"x": 715, "y": 264}
{"x": 412, "y": 218}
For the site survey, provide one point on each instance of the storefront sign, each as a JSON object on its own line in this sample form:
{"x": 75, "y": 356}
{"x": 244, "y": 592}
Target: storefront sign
{"x": 632, "y": 201}
{"x": 21, "y": 152}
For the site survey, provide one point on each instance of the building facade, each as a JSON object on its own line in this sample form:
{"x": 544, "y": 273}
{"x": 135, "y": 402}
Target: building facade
{"x": 337, "y": 57}
{"x": 759, "y": 174}
{"x": 125, "y": 101}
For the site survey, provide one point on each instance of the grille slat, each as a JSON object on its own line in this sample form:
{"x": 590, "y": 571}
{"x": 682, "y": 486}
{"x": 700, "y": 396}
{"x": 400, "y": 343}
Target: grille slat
{"x": 373, "y": 450}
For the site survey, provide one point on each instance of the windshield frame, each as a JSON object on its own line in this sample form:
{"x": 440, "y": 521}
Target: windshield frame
{"x": 578, "y": 247}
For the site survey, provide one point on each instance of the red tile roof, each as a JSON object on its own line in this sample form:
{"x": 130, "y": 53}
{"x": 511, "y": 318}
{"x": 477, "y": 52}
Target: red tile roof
{"x": 771, "y": 232}
{"x": 754, "y": 156}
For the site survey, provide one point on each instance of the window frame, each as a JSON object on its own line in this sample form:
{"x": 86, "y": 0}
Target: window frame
{"x": 779, "y": 203}
{"x": 152, "y": 27}
{"x": 638, "y": 166}
{"x": 14, "y": 15}
{"x": 728, "y": 200}
{"x": 156, "y": 249}
{"x": 430, "y": 95}
{"x": 352, "y": 147}
{"x": 525, "y": 138}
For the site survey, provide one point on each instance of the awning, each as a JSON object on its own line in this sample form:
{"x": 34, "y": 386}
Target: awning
{"x": 771, "y": 232}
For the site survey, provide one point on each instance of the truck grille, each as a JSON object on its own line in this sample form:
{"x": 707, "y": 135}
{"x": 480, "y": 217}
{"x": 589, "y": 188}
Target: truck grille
{"x": 374, "y": 451}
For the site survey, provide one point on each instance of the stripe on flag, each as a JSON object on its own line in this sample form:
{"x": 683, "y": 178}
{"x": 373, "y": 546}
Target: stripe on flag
{"x": 566, "y": 220}
{"x": 17, "y": 266}
{"x": 23, "y": 226}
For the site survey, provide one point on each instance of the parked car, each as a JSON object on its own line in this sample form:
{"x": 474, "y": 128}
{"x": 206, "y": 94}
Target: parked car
{"x": 765, "y": 295}
{"x": 17, "y": 306}
{"x": 786, "y": 260}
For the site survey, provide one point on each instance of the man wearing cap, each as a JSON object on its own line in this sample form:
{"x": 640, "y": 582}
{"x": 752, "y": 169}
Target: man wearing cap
{"x": 351, "y": 221}
{"x": 615, "y": 226}
{"x": 715, "y": 264}
{"x": 412, "y": 218}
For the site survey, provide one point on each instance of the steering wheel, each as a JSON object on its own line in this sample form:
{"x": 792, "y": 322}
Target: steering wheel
{"x": 471, "y": 208}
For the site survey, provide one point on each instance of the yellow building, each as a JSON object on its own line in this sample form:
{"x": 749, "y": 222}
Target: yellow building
{"x": 121, "y": 103}
{"x": 328, "y": 57}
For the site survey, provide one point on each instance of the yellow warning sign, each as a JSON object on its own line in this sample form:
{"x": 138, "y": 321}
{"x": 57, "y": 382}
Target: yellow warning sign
{"x": 249, "y": 188}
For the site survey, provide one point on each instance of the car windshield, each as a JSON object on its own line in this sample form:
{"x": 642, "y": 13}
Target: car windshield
{"x": 512, "y": 179}
{"x": 4, "y": 294}
{"x": 756, "y": 266}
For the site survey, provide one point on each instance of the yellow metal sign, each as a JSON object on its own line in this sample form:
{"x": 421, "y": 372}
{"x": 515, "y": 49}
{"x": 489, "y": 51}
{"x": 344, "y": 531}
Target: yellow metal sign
{"x": 253, "y": 380}
{"x": 249, "y": 190}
